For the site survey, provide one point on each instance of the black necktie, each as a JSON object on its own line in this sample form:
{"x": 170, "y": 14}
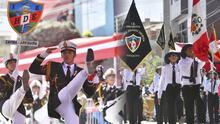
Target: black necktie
{"x": 213, "y": 87}
{"x": 134, "y": 78}
{"x": 68, "y": 73}
{"x": 174, "y": 75}
{"x": 193, "y": 71}
{"x": 202, "y": 80}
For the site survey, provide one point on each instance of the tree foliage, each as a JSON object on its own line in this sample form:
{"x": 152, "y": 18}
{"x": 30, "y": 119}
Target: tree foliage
{"x": 51, "y": 33}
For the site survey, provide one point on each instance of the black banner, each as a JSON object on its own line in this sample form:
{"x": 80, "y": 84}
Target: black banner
{"x": 135, "y": 40}
{"x": 171, "y": 42}
{"x": 161, "y": 38}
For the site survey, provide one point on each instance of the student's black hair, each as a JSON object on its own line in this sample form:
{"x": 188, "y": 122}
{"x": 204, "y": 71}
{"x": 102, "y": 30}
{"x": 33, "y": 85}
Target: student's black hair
{"x": 166, "y": 58}
{"x": 183, "y": 51}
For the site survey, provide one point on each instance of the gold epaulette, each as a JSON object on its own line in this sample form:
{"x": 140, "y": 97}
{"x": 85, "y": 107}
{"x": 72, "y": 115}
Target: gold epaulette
{"x": 39, "y": 59}
{"x": 48, "y": 71}
{"x": 5, "y": 82}
{"x": 2, "y": 79}
{"x": 100, "y": 90}
{"x": 91, "y": 85}
{"x": 96, "y": 103}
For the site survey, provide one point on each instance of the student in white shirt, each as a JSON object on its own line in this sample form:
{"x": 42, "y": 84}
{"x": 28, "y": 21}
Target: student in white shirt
{"x": 170, "y": 82}
{"x": 133, "y": 92}
{"x": 213, "y": 99}
{"x": 203, "y": 87}
{"x": 159, "y": 108}
{"x": 191, "y": 81}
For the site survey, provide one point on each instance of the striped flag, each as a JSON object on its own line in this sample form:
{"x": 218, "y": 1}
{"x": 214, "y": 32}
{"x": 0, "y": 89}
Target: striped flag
{"x": 199, "y": 32}
{"x": 214, "y": 50}
{"x": 213, "y": 45}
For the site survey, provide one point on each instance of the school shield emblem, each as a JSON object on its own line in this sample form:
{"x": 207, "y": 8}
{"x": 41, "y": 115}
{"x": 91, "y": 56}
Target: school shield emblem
{"x": 24, "y": 15}
{"x": 133, "y": 42}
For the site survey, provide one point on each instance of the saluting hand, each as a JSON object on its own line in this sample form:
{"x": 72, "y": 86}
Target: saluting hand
{"x": 49, "y": 50}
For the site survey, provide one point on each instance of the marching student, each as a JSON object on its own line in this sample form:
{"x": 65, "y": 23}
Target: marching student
{"x": 110, "y": 95}
{"x": 39, "y": 105}
{"x": 154, "y": 89}
{"x": 12, "y": 103}
{"x": 170, "y": 82}
{"x": 66, "y": 80}
{"x": 190, "y": 68}
{"x": 204, "y": 96}
{"x": 133, "y": 92}
{"x": 213, "y": 99}
{"x": 106, "y": 94}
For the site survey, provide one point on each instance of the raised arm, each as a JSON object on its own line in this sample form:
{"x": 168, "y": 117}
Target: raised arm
{"x": 36, "y": 67}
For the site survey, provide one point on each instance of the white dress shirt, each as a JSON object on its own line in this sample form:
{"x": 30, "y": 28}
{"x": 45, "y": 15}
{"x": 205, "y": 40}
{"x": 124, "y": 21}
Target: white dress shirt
{"x": 210, "y": 85}
{"x": 204, "y": 83}
{"x": 128, "y": 76}
{"x": 156, "y": 83}
{"x": 64, "y": 65}
{"x": 167, "y": 77}
{"x": 185, "y": 67}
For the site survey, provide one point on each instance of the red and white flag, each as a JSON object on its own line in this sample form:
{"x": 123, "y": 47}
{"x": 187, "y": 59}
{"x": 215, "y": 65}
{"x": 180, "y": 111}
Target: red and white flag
{"x": 199, "y": 32}
{"x": 214, "y": 49}
{"x": 213, "y": 44}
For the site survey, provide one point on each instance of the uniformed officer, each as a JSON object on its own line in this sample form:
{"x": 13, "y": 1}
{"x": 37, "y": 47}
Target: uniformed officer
{"x": 11, "y": 103}
{"x": 40, "y": 100}
{"x": 66, "y": 80}
{"x": 108, "y": 91}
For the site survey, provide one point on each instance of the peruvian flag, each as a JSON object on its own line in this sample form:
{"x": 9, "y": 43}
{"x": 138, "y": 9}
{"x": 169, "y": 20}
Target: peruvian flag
{"x": 213, "y": 44}
{"x": 199, "y": 32}
{"x": 214, "y": 49}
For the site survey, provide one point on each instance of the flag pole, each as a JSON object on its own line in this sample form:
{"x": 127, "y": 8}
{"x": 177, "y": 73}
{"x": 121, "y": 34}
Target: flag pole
{"x": 212, "y": 65}
{"x": 166, "y": 45}
{"x": 16, "y": 72}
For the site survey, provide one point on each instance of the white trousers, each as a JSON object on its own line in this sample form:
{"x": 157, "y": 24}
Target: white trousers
{"x": 112, "y": 113}
{"x": 66, "y": 108}
{"x": 9, "y": 108}
{"x": 18, "y": 118}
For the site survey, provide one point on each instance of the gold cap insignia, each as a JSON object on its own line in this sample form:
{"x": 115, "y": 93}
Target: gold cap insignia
{"x": 65, "y": 44}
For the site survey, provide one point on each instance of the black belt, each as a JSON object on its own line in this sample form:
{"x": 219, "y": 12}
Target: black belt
{"x": 175, "y": 85}
{"x": 193, "y": 80}
{"x": 185, "y": 77}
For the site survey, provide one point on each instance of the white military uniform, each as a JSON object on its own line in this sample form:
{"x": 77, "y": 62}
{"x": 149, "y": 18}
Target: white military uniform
{"x": 10, "y": 106}
{"x": 66, "y": 108}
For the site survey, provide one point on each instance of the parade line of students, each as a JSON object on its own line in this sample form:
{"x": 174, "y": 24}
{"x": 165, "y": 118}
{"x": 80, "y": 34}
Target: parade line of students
{"x": 182, "y": 87}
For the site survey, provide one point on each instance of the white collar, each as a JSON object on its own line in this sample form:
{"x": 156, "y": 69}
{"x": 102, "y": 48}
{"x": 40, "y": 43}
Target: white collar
{"x": 172, "y": 64}
{"x": 71, "y": 66}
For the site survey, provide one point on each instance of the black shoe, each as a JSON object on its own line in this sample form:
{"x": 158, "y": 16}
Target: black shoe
{"x": 25, "y": 80}
{"x": 89, "y": 65}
